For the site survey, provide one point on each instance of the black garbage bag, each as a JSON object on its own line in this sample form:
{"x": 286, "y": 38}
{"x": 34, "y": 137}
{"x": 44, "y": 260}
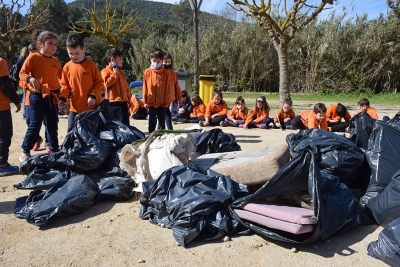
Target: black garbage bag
{"x": 383, "y": 156}
{"x": 360, "y": 129}
{"x": 335, "y": 206}
{"x": 395, "y": 121}
{"x": 216, "y": 141}
{"x": 45, "y": 160}
{"x": 191, "y": 202}
{"x": 65, "y": 198}
{"x": 336, "y": 154}
{"x": 387, "y": 247}
{"x": 117, "y": 188}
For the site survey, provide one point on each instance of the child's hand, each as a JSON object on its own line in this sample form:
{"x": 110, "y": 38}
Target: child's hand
{"x": 286, "y": 120}
{"x": 35, "y": 83}
{"x": 213, "y": 116}
{"x": 278, "y": 124}
{"x": 146, "y": 106}
{"x": 235, "y": 121}
{"x": 90, "y": 102}
{"x": 246, "y": 126}
{"x": 206, "y": 123}
{"x": 18, "y": 107}
{"x": 181, "y": 111}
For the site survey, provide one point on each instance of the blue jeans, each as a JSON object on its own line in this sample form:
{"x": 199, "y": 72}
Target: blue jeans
{"x": 231, "y": 123}
{"x": 41, "y": 109}
{"x": 154, "y": 114}
{"x": 71, "y": 120}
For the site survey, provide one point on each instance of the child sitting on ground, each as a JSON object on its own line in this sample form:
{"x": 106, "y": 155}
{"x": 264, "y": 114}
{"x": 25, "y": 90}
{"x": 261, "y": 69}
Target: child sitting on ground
{"x": 238, "y": 115}
{"x": 180, "y": 111}
{"x": 259, "y": 116}
{"x": 198, "y": 110}
{"x": 137, "y": 110}
{"x": 309, "y": 119}
{"x": 216, "y": 110}
{"x": 284, "y": 115}
{"x": 363, "y": 104}
{"x": 334, "y": 115}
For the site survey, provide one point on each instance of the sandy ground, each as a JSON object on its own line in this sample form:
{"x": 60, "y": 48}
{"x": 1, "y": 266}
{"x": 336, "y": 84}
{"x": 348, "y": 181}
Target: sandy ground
{"x": 111, "y": 234}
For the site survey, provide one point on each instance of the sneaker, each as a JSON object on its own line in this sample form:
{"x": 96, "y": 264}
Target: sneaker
{"x": 48, "y": 150}
{"x": 263, "y": 126}
{"x": 8, "y": 170}
{"x": 241, "y": 125}
{"x": 37, "y": 144}
{"x": 222, "y": 124}
{"x": 24, "y": 156}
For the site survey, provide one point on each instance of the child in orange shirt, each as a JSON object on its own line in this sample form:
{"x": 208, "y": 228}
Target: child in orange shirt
{"x": 238, "y": 115}
{"x": 117, "y": 90}
{"x": 284, "y": 115}
{"x": 137, "y": 110}
{"x": 216, "y": 111}
{"x": 198, "y": 109}
{"x": 363, "y": 104}
{"x": 259, "y": 116}
{"x": 42, "y": 72}
{"x": 309, "y": 119}
{"x": 334, "y": 115}
{"x": 81, "y": 80}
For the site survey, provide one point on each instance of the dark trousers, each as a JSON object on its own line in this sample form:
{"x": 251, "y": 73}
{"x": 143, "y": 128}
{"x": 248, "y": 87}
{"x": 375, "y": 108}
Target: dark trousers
{"x": 168, "y": 120}
{"x": 201, "y": 118}
{"x": 231, "y": 123}
{"x": 154, "y": 114}
{"x": 216, "y": 121}
{"x": 141, "y": 114}
{"x": 123, "y": 106}
{"x": 338, "y": 127}
{"x": 6, "y": 133}
{"x": 298, "y": 124}
{"x": 41, "y": 109}
{"x": 71, "y": 120}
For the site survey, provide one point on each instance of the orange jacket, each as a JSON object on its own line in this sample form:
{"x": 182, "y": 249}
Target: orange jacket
{"x": 198, "y": 111}
{"x": 310, "y": 121}
{"x": 280, "y": 115}
{"x": 81, "y": 80}
{"x": 257, "y": 115}
{"x": 371, "y": 112}
{"x": 236, "y": 114}
{"x": 177, "y": 88}
{"x": 116, "y": 87}
{"x": 47, "y": 70}
{"x": 221, "y": 109}
{"x": 136, "y": 103}
{"x": 158, "y": 88}
{"x": 332, "y": 115}
{"x": 7, "y": 93}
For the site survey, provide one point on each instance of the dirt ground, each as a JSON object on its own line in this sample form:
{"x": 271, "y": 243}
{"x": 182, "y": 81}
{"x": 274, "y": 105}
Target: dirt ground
{"x": 111, "y": 234}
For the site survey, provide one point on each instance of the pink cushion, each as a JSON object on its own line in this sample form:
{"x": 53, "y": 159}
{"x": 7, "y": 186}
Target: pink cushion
{"x": 274, "y": 223}
{"x": 283, "y": 213}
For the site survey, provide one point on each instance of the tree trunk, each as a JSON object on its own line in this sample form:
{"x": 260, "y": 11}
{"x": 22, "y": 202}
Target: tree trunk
{"x": 196, "y": 49}
{"x": 284, "y": 91}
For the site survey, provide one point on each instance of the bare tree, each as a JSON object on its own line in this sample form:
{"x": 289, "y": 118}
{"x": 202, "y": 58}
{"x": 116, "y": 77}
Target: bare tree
{"x": 281, "y": 23}
{"x": 12, "y": 27}
{"x": 104, "y": 28}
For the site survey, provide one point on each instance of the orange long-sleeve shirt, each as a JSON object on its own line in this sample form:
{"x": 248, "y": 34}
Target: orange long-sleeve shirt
{"x": 116, "y": 87}
{"x": 81, "y": 80}
{"x": 371, "y": 112}
{"x": 257, "y": 115}
{"x": 280, "y": 115}
{"x": 198, "y": 111}
{"x": 221, "y": 109}
{"x": 310, "y": 121}
{"x": 158, "y": 88}
{"x": 47, "y": 70}
{"x": 177, "y": 88}
{"x": 331, "y": 114}
{"x": 4, "y": 72}
{"x": 136, "y": 104}
{"x": 236, "y": 114}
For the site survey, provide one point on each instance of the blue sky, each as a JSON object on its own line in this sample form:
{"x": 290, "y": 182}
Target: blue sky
{"x": 372, "y": 7}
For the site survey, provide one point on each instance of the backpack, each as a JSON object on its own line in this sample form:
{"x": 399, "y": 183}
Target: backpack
{"x": 14, "y": 72}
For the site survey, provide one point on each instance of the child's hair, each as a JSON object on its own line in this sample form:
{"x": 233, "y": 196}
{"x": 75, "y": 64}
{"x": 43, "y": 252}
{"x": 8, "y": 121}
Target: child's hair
{"x": 168, "y": 56}
{"x": 35, "y": 35}
{"x": 363, "y": 102}
{"x": 264, "y": 102}
{"x": 217, "y": 92}
{"x": 113, "y": 53}
{"x": 319, "y": 108}
{"x": 197, "y": 100}
{"x": 45, "y": 35}
{"x": 239, "y": 100}
{"x": 157, "y": 53}
{"x": 288, "y": 101}
{"x": 87, "y": 53}
{"x": 74, "y": 41}
{"x": 32, "y": 47}
{"x": 24, "y": 52}
{"x": 184, "y": 93}
{"x": 341, "y": 110}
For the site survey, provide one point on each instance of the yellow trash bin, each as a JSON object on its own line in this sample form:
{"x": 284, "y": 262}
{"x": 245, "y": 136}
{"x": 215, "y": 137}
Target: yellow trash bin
{"x": 206, "y": 84}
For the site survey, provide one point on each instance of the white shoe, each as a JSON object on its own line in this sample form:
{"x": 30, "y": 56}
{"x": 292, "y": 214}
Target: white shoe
{"x": 24, "y": 156}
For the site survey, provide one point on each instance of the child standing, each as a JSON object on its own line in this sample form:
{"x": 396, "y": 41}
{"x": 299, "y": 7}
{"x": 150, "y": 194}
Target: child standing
{"x": 284, "y": 115}
{"x": 216, "y": 110}
{"x": 198, "y": 109}
{"x": 238, "y": 115}
{"x": 259, "y": 116}
{"x": 334, "y": 115}
{"x": 137, "y": 110}
{"x": 42, "y": 72}
{"x": 81, "y": 80}
{"x": 7, "y": 93}
{"x": 158, "y": 90}
{"x": 363, "y": 104}
{"x": 117, "y": 90}
{"x": 309, "y": 119}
